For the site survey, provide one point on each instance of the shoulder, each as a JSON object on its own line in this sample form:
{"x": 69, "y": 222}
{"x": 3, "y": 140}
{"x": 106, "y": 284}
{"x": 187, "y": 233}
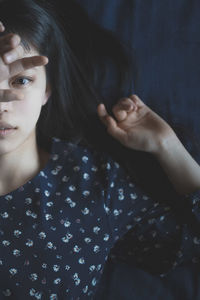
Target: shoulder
{"x": 85, "y": 155}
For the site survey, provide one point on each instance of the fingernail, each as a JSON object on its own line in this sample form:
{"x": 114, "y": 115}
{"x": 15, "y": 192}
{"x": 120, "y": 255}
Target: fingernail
{"x": 20, "y": 96}
{"x": 9, "y": 58}
{"x": 103, "y": 110}
{"x": 15, "y": 40}
{"x": 1, "y": 26}
{"x": 46, "y": 60}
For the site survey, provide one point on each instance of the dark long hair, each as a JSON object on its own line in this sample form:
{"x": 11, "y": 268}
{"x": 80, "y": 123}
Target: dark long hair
{"x": 71, "y": 108}
{"x": 81, "y": 57}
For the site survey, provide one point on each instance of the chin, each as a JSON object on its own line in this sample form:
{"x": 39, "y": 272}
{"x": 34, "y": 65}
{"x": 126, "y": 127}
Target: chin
{"x": 8, "y": 145}
{"x": 4, "y": 149}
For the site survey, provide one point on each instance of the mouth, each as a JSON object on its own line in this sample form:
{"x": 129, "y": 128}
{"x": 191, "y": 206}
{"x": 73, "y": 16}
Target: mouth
{"x": 5, "y": 128}
{"x": 4, "y": 125}
{"x": 6, "y": 131}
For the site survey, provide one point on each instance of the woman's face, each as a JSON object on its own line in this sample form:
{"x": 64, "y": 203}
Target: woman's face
{"x": 25, "y": 113}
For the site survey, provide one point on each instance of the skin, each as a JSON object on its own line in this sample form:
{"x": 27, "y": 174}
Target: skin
{"x": 137, "y": 127}
{"x": 23, "y": 92}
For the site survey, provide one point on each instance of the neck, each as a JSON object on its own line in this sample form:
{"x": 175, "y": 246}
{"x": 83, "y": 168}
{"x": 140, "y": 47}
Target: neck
{"x": 20, "y": 165}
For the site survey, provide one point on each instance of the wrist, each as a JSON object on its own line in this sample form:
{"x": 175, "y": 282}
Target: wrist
{"x": 180, "y": 167}
{"x": 166, "y": 144}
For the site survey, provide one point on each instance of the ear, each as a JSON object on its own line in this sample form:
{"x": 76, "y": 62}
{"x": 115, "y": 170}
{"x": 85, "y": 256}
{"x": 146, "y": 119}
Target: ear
{"x": 47, "y": 94}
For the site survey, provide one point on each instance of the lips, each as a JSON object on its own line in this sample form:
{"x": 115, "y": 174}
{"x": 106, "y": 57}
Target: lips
{"x": 4, "y": 125}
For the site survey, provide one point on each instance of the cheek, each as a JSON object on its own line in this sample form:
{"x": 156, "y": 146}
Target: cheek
{"x": 28, "y": 109}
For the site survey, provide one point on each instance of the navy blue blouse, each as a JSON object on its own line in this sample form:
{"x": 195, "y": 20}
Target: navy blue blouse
{"x": 57, "y": 229}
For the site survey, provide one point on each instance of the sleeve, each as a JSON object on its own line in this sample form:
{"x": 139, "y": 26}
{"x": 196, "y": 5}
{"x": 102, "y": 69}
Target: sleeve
{"x": 128, "y": 207}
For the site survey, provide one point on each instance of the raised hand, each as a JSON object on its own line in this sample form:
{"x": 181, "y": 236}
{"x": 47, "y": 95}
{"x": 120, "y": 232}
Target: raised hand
{"x": 135, "y": 125}
{"x": 12, "y": 62}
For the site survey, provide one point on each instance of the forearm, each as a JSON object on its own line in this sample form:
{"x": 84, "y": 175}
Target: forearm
{"x": 182, "y": 170}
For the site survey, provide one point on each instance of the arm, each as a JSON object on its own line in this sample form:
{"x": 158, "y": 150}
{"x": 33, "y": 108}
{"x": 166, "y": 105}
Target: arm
{"x": 182, "y": 170}
{"x": 139, "y": 128}
{"x": 176, "y": 229}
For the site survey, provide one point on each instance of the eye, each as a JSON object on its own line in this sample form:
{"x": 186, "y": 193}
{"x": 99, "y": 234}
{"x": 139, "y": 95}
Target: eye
{"x": 22, "y": 81}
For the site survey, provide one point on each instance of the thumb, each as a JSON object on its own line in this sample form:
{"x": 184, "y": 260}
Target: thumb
{"x": 110, "y": 123}
{"x": 114, "y": 130}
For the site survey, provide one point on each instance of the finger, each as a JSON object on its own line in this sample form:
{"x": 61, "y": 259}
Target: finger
{"x": 102, "y": 113}
{"x": 120, "y": 114}
{"x": 137, "y": 100}
{"x": 115, "y": 131}
{"x": 9, "y": 95}
{"x": 7, "y": 46}
{"x": 8, "y": 38}
{"x": 8, "y": 42}
{"x": 27, "y": 63}
{"x": 126, "y": 104}
{"x": 110, "y": 123}
{"x": 106, "y": 119}
{"x": 13, "y": 54}
{"x": 2, "y": 27}
{"x": 122, "y": 108}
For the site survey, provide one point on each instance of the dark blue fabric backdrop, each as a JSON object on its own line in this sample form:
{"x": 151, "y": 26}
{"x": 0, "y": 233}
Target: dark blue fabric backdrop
{"x": 165, "y": 38}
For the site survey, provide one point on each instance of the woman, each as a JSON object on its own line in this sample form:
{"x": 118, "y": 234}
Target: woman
{"x": 64, "y": 205}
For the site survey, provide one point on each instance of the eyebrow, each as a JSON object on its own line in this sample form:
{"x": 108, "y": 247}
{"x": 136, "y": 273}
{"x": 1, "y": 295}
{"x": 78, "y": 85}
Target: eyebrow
{"x": 32, "y": 70}
{"x": 23, "y": 73}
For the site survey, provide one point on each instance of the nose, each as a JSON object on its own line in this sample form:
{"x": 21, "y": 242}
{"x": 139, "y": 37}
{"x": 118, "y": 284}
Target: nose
{"x": 3, "y": 108}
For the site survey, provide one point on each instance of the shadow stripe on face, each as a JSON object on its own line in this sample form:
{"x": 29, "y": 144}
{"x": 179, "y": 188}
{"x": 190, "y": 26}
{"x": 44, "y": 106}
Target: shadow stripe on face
{"x": 8, "y": 95}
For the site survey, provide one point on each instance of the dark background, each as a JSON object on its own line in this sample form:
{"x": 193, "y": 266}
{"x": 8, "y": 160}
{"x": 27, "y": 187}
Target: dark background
{"x": 164, "y": 39}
